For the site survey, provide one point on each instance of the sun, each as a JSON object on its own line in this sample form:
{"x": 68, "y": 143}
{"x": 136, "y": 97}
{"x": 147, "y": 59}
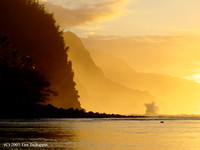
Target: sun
{"x": 196, "y": 78}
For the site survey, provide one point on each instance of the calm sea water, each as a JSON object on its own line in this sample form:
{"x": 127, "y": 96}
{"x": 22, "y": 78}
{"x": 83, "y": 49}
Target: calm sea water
{"x": 101, "y": 134}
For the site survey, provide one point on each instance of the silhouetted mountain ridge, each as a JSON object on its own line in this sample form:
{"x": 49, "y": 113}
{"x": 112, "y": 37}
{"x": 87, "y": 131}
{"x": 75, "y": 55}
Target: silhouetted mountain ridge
{"x": 168, "y": 89}
{"x": 98, "y": 93}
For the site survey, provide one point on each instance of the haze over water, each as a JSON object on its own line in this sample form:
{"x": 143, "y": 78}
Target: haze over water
{"x": 109, "y": 134}
{"x": 120, "y": 57}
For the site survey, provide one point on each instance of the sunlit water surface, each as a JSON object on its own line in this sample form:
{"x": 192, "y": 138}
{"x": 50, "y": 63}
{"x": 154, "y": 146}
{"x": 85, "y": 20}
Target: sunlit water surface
{"x": 102, "y": 134}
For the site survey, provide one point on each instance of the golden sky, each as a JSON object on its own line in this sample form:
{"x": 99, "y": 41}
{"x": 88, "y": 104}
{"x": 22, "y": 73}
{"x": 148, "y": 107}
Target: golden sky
{"x": 166, "y": 19}
{"x": 152, "y": 36}
{"x": 127, "y": 17}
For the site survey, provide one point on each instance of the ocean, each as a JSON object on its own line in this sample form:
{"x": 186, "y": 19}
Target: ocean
{"x": 176, "y": 133}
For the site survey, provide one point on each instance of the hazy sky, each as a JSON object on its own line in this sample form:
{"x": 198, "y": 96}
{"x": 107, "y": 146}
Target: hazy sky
{"x": 127, "y": 17}
{"x": 153, "y": 36}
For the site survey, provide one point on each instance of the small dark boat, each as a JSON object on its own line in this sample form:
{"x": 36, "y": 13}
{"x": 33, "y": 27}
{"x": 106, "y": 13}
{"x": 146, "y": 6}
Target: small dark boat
{"x": 161, "y": 121}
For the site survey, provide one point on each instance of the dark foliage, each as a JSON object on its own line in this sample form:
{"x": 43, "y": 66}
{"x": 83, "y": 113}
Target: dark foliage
{"x": 35, "y": 33}
{"x": 21, "y": 85}
{"x": 49, "y": 111}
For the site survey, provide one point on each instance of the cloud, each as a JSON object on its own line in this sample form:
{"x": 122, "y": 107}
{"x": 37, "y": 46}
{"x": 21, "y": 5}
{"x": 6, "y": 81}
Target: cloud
{"x": 74, "y": 13}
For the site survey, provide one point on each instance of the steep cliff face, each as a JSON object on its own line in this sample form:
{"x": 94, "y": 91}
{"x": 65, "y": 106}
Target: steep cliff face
{"x": 175, "y": 93}
{"x": 97, "y": 92}
{"x": 34, "y": 32}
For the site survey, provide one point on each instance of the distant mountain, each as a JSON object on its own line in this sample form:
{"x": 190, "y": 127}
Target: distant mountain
{"x": 98, "y": 93}
{"x": 113, "y": 67}
{"x": 178, "y": 95}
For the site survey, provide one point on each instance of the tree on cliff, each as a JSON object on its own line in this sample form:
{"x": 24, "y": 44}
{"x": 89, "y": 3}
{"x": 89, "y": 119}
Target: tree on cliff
{"x": 19, "y": 77}
{"x": 35, "y": 33}
{"x": 21, "y": 85}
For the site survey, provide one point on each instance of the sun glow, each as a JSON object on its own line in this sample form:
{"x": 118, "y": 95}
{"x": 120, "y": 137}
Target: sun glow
{"x": 194, "y": 77}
